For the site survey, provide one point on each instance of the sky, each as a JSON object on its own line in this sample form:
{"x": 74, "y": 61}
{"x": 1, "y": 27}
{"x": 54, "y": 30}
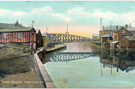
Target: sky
{"x": 82, "y": 17}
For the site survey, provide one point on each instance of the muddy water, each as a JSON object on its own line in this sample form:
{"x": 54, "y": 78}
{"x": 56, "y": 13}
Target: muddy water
{"x": 90, "y": 71}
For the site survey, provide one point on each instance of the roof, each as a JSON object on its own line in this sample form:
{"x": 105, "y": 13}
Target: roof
{"x": 107, "y": 35}
{"x": 131, "y": 38}
{"x": 95, "y": 34}
{"x": 112, "y": 28}
{"x": 15, "y": 30}
{"x": 37, "y": 30}
{"x": 114, "y": 42}
{"x": 11, "y": 26}
{"x": 43, "y": 34}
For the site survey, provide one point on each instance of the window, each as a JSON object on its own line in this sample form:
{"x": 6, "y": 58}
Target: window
{"x": 19, "y": 35}
{"x": 123, "y": 31}
{"x": 0, "y": 36}
{"x": 5, "y": 35}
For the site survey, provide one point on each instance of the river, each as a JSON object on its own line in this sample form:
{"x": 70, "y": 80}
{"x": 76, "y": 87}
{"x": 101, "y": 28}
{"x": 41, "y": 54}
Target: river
{"x": 86, "y": 70}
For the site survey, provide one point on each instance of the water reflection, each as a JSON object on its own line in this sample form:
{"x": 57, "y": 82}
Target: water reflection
{"x": 121, "y": 59}
{"x": 108, "y": 69}
{"x": 67, "y": 56}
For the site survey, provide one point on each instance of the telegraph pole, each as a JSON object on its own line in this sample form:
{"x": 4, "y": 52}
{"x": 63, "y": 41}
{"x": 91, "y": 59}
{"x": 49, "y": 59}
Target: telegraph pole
{"x": 33, "y": 23}
{"x": 110, "y": 25}
{"x": 46, "y": 29}
{"x": 67, "y": 30}
{"x": 100, "y": 23}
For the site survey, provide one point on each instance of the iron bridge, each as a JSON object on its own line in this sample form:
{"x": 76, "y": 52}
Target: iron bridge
{"x": 65, "y": 38}
{"x": 70, "y": 56}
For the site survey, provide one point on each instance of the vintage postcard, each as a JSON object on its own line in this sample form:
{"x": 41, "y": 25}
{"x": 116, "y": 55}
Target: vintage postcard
{"x": 67, "y": 44}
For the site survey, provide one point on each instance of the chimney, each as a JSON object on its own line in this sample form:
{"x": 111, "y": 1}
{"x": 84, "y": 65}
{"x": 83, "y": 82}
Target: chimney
{"x": 126, "y": 26}
{"x": 16, "y": 23}
{"x": 103, "y": 28}
{"x": 116, "y": 27}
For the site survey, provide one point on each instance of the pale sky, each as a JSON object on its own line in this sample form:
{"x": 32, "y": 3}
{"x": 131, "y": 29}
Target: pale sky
{"x": 83, "y": 18}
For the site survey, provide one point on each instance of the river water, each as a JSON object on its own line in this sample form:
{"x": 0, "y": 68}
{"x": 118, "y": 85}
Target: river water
{"x": 87, "y": 71}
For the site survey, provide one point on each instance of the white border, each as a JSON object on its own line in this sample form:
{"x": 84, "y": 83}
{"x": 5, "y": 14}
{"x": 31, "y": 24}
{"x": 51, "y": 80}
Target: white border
{"x": 68, "y": 0}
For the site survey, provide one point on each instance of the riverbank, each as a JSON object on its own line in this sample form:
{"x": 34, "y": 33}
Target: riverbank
{"x": 55, "y": 48}
{"x": 20, "y": 72}
{"x": 47, "y": 79}
{"x": 18, "y": 69}
{"x": 39, "y": 56}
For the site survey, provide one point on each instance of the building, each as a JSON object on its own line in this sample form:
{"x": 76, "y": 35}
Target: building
{"x": 16, "y": 33}
{"x": 39, "y": 39}
{"x": 45, "y": 40}
{"x": 119, "y": 33}
{"x": 26, "y": 36}
{"x": 95, "y": 37}
{"x": 127, "y": 42}
{"x": 108, "y": 33}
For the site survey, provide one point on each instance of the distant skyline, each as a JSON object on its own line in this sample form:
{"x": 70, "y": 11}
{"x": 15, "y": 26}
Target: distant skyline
{"x": 83, "y": 18}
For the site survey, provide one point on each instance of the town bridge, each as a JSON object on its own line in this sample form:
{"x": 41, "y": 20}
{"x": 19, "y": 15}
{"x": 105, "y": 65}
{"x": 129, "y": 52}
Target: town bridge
{"x": 65, "y": 38}
{"x": 69, "y": 56}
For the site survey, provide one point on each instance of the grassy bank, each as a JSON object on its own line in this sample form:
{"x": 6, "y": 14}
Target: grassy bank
{"x": 18, "y": 69}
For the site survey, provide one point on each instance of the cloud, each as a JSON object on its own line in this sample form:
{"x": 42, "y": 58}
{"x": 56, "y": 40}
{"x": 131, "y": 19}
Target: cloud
{"x": 76, "y": 16}
{"x": 66, "y": 18}
{"x": 36, "y": 13}
{"x": 132, "y": 7}
{"x": 118, "y": 18}
{"x": 4, "y": 12}
{"x": 76, "y": 10}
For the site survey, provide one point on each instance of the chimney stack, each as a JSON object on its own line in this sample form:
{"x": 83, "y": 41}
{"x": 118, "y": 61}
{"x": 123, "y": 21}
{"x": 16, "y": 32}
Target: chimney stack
{"x": 103, "y": 28}
{"x": 116, "y": 27}
{"x": 16, "y": 23}
{"x": 126, "y": 26}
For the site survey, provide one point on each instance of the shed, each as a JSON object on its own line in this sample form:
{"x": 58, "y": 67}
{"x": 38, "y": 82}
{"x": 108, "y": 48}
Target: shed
{"x": 39, "y": 39}
{"x": 127, "y": 42}
{"x": 45, "y": 40}
{"x": 25, "y": 36}
{"x": 113, "y": 44}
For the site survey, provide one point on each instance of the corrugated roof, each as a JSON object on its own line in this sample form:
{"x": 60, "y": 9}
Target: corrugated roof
{"x": 107, "y": 35}
{"x": 15, "y": 30}
{"x": 131, "y": 38}
{"x": 10, "y": 26}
